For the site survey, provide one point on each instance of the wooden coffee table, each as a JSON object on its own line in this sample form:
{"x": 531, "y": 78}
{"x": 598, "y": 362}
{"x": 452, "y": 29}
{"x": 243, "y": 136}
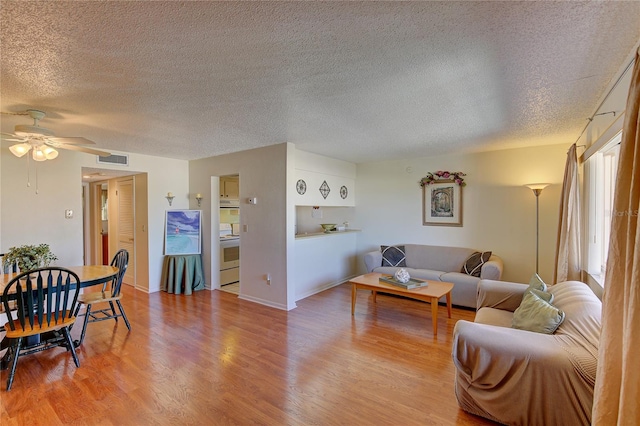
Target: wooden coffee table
{"x": 431, "y": 293}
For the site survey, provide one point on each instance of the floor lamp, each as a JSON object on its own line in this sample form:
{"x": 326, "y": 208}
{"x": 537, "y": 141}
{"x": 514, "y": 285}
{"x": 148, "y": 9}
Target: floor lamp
{"x": 537, "y": 189}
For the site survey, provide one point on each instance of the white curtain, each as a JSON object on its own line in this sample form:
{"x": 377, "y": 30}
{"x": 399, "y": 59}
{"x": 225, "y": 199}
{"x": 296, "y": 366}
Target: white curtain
{"x": 568, "y": 264}
{"x": 617, "y": 389}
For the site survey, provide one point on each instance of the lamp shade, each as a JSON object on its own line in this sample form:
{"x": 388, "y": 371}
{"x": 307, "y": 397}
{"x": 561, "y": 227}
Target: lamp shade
{"x": 539, "y": 186}
{"x": 49, "y": 152}
{"x": 20, "y": 149}
{"x": 38, "y": 154}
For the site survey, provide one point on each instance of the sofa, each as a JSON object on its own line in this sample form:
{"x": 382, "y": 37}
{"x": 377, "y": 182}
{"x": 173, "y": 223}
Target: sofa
{"x": 519, "y": 377}
{"x": 441, "y": 263}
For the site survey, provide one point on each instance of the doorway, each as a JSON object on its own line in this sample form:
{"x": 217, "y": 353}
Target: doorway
{"x": 96, "y": 220}
{"x": 229, "y": 229}
{"x": 116, "y": 217}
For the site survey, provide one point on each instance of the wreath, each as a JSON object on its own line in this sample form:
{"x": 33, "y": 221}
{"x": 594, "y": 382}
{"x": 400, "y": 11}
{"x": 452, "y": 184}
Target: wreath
{"x": 430, "y": 178}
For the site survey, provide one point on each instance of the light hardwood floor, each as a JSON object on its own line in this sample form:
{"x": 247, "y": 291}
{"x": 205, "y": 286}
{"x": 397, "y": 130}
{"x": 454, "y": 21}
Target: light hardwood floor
{"x": 213, "y": 359}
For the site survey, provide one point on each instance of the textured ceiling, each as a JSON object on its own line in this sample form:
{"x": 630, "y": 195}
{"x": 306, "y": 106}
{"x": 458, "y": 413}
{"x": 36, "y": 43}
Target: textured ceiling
{"x": 360, "y": 81}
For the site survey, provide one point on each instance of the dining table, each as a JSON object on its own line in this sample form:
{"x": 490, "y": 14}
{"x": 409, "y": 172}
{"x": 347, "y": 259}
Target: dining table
{"x": 89, "y": 275}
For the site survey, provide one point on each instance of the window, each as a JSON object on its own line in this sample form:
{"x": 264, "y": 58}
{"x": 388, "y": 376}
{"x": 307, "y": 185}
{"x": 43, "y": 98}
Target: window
{"x": 600, "y": 179}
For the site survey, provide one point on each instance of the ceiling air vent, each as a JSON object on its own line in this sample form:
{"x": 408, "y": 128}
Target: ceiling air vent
{"x": 122, "y": 160}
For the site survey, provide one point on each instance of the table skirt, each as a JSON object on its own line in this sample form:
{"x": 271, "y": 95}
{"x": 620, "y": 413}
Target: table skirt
{"x": 182, "y": 274}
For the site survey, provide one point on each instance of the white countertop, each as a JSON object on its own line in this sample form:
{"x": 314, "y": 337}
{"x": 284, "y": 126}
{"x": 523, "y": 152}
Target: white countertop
{"x": 325, "y": 234}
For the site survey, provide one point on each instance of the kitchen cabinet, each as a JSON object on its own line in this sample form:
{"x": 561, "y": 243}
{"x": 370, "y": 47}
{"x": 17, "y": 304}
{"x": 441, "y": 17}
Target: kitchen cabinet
{"x": 321, "y": 189}
{"x": 230, "y": 187}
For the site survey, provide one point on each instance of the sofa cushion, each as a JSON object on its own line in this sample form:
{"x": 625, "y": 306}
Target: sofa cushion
{"x": 393, "y": 256}
{"x": 460, "y": 278}
{"x": 437, "y": 258}
{"x": 426, "y": 274}
{"x": 473, "y": 265}
{"x": 534, "y": 314}
{"x": 492, "y": 316}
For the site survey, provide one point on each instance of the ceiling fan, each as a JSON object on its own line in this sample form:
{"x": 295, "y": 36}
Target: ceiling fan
{"x": 43, "y": 142}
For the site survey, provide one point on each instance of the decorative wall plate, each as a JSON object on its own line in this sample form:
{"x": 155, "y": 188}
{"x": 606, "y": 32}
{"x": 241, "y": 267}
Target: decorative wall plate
{"x": 301, "y": 186}
{"x": 324, "y": 189}
{"x": 343, "y": 192}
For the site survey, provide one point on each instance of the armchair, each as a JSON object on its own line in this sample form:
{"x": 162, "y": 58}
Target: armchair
{"x": 519, "y": 377}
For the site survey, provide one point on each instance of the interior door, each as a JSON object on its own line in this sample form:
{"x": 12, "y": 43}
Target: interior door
{"x": 126, "y": 225}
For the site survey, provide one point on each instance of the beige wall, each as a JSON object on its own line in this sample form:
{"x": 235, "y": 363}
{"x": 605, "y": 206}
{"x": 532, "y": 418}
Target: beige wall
{"x": 498, "y": 211}
{"x": 264, "y": 245}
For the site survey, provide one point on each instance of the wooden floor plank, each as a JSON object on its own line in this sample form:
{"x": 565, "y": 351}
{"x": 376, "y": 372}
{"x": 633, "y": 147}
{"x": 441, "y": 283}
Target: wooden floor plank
{"x": 211, "y": 358}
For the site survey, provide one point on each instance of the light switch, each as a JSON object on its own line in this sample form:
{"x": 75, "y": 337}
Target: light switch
{"x": 68, "y": 214}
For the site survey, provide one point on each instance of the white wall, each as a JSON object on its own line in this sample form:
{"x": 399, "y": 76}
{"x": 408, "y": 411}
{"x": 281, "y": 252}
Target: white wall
{"x": 163, "y": 175}
{"x": 498, "y": 211}
{"x": 263, "y": 247}
{"x": 323, "y": 261}
{"x": 30, "y": 218}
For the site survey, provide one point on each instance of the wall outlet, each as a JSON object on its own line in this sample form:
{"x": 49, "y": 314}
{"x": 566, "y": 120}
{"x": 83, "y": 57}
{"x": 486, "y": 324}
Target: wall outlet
{"x": 268, "y": 278}
{"x": 316, "y": 212}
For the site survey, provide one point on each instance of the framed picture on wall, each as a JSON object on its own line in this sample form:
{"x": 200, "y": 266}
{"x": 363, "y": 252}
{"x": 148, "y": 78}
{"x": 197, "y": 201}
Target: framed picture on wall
{"x": 442, "y": 204}
{"x": 183, "y": 232}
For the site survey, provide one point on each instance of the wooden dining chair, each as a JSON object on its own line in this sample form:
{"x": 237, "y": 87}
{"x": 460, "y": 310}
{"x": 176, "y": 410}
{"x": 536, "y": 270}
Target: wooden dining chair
{"x": 46, "y": 305}
{"x": 5, "y": 269}
{"x": 110, "y": 293}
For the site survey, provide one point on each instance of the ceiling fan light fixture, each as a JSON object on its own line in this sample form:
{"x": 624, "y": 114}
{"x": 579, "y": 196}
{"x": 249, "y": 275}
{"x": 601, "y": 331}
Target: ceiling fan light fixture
{"x": 49, "y": 153}
{"x": 38, "y": 154}
{"x": 20, "y": 149}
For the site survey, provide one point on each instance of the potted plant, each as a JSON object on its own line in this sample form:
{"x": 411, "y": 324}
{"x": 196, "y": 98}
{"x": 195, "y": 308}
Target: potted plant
{"x": 29, "y": 257}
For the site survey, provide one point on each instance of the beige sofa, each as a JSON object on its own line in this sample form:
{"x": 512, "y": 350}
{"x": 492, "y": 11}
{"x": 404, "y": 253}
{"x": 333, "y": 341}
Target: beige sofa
{"x": 441, "y": 263}
{"x": 519, "y": 377}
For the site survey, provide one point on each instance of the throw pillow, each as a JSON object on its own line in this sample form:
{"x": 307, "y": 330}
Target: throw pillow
{"x": 393, "y": 256}
{"x": 473, "y": 265}
{"x": 547, "y": 297}
{"x": 537, "y": 283}
{"x": 534, "y": 314}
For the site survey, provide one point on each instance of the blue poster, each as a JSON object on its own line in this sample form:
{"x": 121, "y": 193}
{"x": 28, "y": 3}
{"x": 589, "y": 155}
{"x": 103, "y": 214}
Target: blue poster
{"x": 182, "y": 232}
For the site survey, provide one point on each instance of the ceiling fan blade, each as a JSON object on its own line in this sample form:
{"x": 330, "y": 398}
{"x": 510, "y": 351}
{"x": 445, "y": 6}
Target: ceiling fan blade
{"x": 70, "y": 141}
{"x": 11, "y": 137}
{"x": 84, "y": 149}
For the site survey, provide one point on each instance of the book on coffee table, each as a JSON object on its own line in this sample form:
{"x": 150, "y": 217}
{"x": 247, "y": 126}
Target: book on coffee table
{"x": 409, "y": 285}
